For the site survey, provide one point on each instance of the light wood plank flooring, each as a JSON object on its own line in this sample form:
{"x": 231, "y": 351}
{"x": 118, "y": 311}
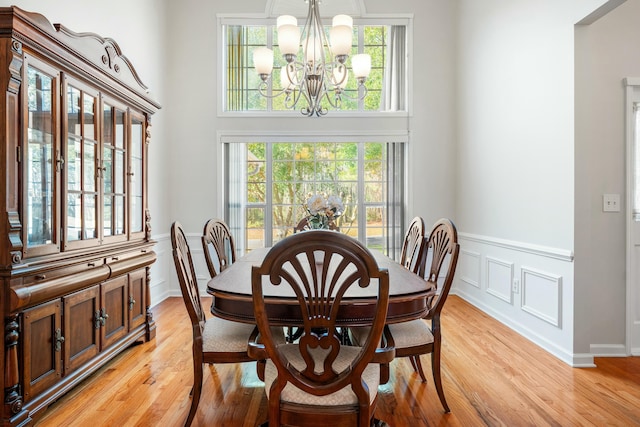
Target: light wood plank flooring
{"x": 491, "y": 376}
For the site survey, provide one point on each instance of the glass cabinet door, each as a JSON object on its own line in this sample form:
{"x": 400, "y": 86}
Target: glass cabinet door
{"x": 136, "y": 187}
{"x": 42, "y": 158}
{"x": 81, "y": 178}
{"x": 113, "y": 171}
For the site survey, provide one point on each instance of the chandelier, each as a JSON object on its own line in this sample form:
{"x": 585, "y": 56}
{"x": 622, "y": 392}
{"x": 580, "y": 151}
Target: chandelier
{"x": 321, "y": 71}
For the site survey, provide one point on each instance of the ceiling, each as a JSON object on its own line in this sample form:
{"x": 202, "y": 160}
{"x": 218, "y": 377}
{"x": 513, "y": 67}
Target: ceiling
{"x": 328, "y": 8}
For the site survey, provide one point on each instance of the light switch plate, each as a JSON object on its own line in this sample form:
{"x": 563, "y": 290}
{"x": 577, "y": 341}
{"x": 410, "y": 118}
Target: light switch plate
{"x": 611, "y": 203}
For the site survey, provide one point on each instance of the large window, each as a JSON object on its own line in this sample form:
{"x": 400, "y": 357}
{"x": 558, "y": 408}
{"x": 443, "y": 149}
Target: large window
{"x": 385, "y": 45}
{"x": 268, "y": 184}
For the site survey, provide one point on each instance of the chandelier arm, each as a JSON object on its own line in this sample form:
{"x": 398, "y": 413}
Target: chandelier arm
{"x": 264, "y": 86}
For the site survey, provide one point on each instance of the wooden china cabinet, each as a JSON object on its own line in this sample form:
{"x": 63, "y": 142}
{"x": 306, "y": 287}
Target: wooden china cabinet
{"x": 76, "y": 247}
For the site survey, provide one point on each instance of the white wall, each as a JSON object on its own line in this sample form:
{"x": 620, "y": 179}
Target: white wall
{"x": 138, "y": 27}
{"x": 606, "y": 52}
{"x": 194, "y": 173}
{"x": 515, "y": 186}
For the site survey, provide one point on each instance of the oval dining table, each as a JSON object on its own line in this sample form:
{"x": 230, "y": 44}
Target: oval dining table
{"x": 232, "y": 299}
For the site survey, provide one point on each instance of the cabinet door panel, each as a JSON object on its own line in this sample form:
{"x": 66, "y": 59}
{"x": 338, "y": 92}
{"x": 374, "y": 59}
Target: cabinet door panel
{"x": 42, "y": 158}
{"x": 137, "y": 298}
{"x": 115, "y": 298}
{"x": 41, "y": 351}
{"x": 137, "y": 190}
{"x": 81, "y": 177}
{"x": 82, "y": 327}
{"x": 113, "y": 166}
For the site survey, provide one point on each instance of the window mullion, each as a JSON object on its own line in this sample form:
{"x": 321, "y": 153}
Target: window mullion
{"x": 268, "y": 214}
{"x": 361, "y": 207}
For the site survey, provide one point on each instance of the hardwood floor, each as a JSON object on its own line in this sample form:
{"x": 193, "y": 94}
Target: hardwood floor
{"x": 491, "y": 376}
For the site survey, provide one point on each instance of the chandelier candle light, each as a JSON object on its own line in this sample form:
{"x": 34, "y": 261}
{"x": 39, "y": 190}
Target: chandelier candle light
{"x": 312, "y": 76}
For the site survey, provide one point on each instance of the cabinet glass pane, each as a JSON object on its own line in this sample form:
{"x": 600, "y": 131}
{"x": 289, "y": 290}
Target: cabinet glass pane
{"x": 74, "y": 217}
{"x": 137, "y": 213}
{"x": 74, "y": 112}
{"x": 119, "y": 214}
{"x": 90, "y": 166}
{"x": 119, "y": 171}
{"x": 89, "y": 117}
{"x": 119, "y": 135}
{"x": 90, "y": 216}
{"x": 74, "y": 164}
{"x": 40, "y": 162}
{"x": 107, "y": 165}
{"x": 108, "y": 215}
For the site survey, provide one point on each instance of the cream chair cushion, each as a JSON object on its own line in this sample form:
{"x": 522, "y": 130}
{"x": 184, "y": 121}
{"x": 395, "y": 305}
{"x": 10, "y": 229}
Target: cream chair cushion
{"x": 222, "y": 335}
{"x": 405, "y": 334}
{"x": 345, "y": 396}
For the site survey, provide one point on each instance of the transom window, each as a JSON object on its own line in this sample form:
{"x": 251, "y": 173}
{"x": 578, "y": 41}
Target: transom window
{"x": 386, "y": 88}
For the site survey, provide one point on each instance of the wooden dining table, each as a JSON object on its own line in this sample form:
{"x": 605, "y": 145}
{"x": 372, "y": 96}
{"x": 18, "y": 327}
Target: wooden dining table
{"x": 233, "y": 300}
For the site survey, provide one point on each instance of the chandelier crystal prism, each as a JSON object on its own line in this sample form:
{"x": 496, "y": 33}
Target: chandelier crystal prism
{"x": 321, "y": 71}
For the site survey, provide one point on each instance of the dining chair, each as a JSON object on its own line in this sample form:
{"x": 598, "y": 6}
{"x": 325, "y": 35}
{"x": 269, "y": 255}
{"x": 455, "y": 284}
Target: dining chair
{"x": 318, "y": 381}
{"x": 416, "y": 337}
{"x": 215, "y": 340}
{"x": 412, "y": 255}
{"x": 218, "y": 246}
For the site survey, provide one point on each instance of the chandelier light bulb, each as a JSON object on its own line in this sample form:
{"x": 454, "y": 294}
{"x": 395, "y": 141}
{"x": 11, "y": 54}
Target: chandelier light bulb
{"x": 361, "y": 65}
{"x": 342, "y": 20}
{"x": 286, "y": 20}
{"x": 263, "y": 60}
{"x": 289, "y": 39}
{"x": 340, "y": 36}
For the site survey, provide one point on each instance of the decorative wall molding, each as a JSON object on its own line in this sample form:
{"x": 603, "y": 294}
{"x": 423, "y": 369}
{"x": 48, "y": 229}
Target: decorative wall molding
{"x": 542, "y": 295}
{"x": 469, "y": 267}
{"x": 545, "y": 251}
{"x": 499, "y": 279}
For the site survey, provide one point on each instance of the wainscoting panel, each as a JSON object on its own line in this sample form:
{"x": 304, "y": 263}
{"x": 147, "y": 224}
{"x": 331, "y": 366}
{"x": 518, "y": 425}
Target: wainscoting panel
{"x": 542, "y": 295}
{"x": 468, "y": 269}
{"x": 499, "y": 279}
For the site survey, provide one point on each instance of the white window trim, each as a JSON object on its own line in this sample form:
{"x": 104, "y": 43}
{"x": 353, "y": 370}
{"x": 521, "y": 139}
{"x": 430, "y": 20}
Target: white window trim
{"x": 261, "y": 19}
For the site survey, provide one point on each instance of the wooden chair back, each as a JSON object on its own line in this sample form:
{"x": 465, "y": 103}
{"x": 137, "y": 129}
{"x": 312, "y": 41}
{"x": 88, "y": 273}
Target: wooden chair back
{"x": 319, "y": 267}
{"x": 218, "y": 246}
{"x": 442, "y": 245}
{"x": 413, "y": 247}
{"x": 187, "y": 278}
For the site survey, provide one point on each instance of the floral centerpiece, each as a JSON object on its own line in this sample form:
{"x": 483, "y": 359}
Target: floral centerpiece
{"x": 323, "y": 210}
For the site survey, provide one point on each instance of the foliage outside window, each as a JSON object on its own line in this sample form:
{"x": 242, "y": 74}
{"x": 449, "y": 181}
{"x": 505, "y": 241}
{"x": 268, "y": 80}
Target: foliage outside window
{"x": 269, "y": 184}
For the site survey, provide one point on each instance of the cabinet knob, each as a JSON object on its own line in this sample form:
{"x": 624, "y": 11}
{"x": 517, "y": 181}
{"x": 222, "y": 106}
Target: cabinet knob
{"x": 40, "y": 276}
{"x": 132, "y": 302}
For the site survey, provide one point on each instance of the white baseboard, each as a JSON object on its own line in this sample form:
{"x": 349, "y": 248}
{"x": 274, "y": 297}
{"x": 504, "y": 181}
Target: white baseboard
{"x": 608, "y": 350}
